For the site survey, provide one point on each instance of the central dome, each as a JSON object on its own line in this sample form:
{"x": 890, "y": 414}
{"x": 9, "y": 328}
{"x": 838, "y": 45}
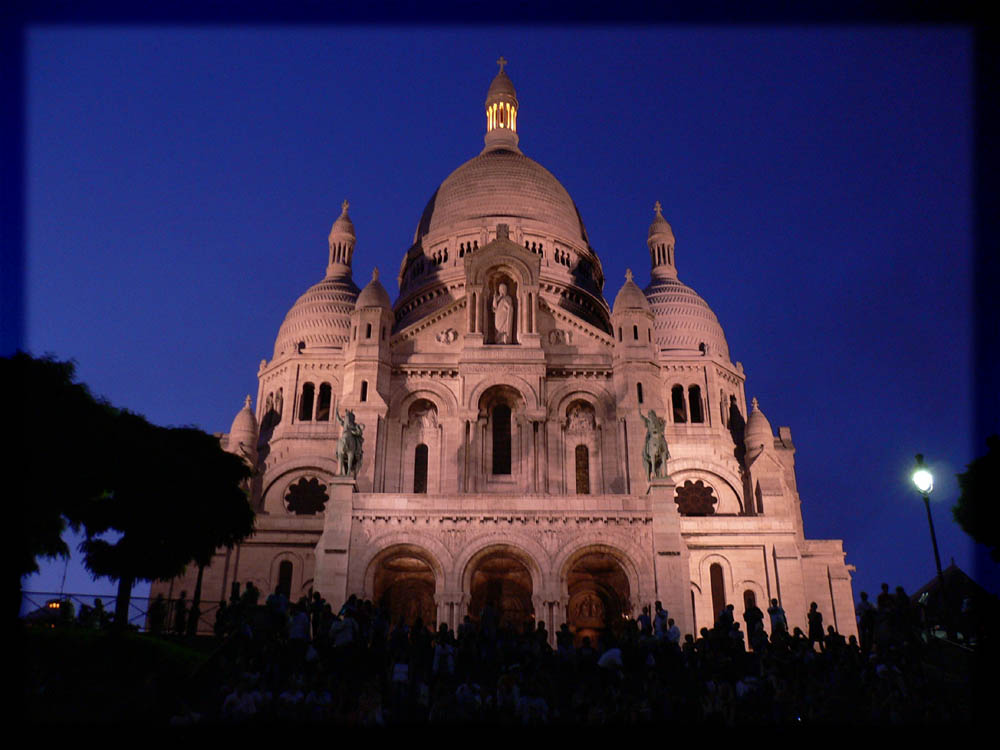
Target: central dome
{"x": 501, "y": 185}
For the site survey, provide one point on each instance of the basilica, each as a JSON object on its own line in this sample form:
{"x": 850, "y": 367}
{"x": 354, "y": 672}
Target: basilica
{"x": 499, "y": 435}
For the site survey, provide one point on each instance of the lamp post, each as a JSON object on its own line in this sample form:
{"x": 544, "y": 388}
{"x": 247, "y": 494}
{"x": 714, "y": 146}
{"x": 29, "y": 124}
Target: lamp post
{"x": 924, "y": 481}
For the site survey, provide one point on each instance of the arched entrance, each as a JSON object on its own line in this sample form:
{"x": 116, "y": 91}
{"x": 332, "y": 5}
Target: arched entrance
{"x": 500, "y": 583}
{"x": 599, "y": 595}
{"x": 404, "y": 582}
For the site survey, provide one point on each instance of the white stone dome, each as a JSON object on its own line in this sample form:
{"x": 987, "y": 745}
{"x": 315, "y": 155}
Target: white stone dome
{"x": 321, "y": 318}
{"x": 374, "y": 294}
{"x": 683, "y": 319}
{"x": 630, "y": 297}
{"x": 244, "y": 430}
{"x": 501, "y": 186}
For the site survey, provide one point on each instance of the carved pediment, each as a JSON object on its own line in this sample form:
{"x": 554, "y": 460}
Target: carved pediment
{"x": 503, "y": 252}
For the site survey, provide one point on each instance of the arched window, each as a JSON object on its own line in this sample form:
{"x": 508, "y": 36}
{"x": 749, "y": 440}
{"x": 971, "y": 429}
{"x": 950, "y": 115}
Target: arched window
{"x": 323, "y": 407}
{"x": 582, "y": 470}
{"x": 638, "y": 392}
{"x": 285, "y": 578}
{"x": 368, "y": 331}
{"x": 677, "y": 401}
{"x": 619, "y": 333}
{"x": 501, "y": 439}
{"x": 364, "y": 390}
{"x": 420, "y": 469}
{"x": 649, "y": 335}
{"x": 635, "y": 333}
{"x": 749, "y": 599}
{"x": 694, "y": 399}
{"x": 383, "y": 333}
{"x": 760, "y": 499}
{"x": 718, "y": 589}
{"x": 306, "y": 402}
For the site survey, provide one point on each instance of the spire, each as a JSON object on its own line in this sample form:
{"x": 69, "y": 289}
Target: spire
{"x": 501, "y": 113}
{"x": 341, "y": 243}
{"x": 661, "y": 245}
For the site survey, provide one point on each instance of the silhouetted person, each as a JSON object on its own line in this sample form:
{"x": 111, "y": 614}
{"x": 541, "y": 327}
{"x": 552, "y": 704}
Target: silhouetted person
{"x": 815, "y": 618}
{"x": 180, "y": 614}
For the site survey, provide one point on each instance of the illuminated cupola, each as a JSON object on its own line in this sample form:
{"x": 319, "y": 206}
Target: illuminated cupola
{"x": 661, "y": 246}
{"x": 501, "y": 113}
{"x": 342, "y": 239}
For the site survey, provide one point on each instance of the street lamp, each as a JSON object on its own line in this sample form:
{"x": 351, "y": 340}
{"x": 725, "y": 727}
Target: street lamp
{"x": 924, "y": 481}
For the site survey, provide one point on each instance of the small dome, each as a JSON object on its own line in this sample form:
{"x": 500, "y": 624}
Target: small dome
{"x": 374, "y": 294}
{"x": 758, "y": 429}
{"x": 660, "y": 228}
{"x": 501, "y": 87}
{"x": 244, "y": 429}
{"x": 320, "y": 318}
{"x": 630, "y": 297}
{"x": 684, "y": 320}
{"x": 343, "y": 227}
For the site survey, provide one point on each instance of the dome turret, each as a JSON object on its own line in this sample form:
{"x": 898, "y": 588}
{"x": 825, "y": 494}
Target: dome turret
{"x": 321, "y": 318}
{"x": 501, "y": 113}
{"x": 243, "y": 433}
{"x": 684, "y": 321}
{"x": 757, "y": 434}
{"x": 374, "y": 294}
{"x": 341, "y": 242}
{"x": 661, "y": 246}
{"x": 630, "y": 297}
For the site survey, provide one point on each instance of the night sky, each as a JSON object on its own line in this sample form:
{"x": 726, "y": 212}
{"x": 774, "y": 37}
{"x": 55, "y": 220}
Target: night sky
{"x": 181, "y": 183}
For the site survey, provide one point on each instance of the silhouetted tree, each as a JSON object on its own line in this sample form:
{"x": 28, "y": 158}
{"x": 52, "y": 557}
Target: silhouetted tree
{"x": 177, "y": 497}
{"x": 54, "y": 455}
{"x": 172, "y": 495}
{"x": 978, "y": 508}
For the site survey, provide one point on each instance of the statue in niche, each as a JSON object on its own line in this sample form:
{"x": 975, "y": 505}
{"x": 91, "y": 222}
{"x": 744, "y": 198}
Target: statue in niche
{"x": 654, "y": 451}
{"x": 425, "y": 418}
{"x": 581, "y": 419}
{"x": 349, "y": 446}
{"x": 278, "y": 403}
{"x": 503, "y": 315}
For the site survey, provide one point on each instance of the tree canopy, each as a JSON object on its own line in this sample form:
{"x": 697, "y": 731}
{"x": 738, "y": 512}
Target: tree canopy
{"x": 978, "y": 508}
{"x": 172, "y": 495}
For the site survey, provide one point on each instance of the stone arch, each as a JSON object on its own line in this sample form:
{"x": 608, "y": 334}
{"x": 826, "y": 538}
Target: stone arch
{"x": 284, "y": 475}
{"x": 624, "y": 551}
{"x": 436, "y": 393}
{"x": 730, "y": 500}
{"x": 484, "y": 267}
{"x": 530, "y": 552}
{"x": 600, "y": 398}
{"x": 527, "y": 392}
{"x": 504, "y": 577}
{"x": 407, "y": 578}
{"x": 298, "y": 574}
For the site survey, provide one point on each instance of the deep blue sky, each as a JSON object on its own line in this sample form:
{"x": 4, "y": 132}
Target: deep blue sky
{"x": 181, "y": 184}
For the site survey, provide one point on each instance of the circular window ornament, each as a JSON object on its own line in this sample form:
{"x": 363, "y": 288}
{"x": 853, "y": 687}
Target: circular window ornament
{"x": 695, "y": 499}
{"x": 306, "y": 497}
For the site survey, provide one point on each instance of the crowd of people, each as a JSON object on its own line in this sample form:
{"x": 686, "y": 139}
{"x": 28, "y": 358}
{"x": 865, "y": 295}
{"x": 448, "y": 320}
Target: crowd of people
{"x": 279, "y": 661}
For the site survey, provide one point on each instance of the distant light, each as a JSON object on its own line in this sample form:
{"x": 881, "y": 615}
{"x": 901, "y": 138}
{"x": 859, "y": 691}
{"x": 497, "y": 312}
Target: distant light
{"x": 924, "y": 480}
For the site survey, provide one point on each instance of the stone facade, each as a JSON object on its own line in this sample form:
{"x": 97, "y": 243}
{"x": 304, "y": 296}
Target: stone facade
{"x": 503, "y": 408}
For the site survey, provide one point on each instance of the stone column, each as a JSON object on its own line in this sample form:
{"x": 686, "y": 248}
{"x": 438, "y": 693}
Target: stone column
{"x": 671, "y": 559}
{"x": 333, "y": 548}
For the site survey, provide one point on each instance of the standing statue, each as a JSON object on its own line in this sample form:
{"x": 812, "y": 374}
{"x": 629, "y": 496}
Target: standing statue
{"x": 503, "y": 316}
{"x": 349, "y": 451}
{"x": 654, "y": 451}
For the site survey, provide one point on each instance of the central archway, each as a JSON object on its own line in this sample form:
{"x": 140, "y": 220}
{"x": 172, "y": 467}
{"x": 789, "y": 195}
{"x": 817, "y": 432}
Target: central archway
{"x": 500, "y": 583}
{"x": 404, "y": 582}
{"x": 599, "y": 595}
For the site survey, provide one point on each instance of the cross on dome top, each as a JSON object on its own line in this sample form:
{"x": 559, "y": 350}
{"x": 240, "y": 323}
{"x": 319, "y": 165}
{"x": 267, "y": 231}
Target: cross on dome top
{"x": 501, "y": 62}
{"x": 344, "y": 206}
{"x": 753, "y": 404}
{"x": 628, "y": 274}
{"x": 658, "y": 208}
